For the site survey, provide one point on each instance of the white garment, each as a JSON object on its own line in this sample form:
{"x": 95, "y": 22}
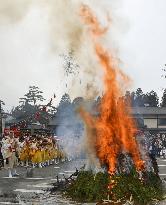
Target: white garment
{"x": 164, "y": 151}
{"x": 9, "y": 152}
{"x": 6, "y": 148}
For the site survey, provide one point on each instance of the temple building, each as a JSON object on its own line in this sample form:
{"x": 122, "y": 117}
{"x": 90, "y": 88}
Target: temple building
{"x": 151, "y": 118}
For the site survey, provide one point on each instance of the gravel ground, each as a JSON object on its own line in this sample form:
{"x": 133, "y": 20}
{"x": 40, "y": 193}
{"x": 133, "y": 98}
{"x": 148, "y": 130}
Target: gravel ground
{"x": 33, "y": 190}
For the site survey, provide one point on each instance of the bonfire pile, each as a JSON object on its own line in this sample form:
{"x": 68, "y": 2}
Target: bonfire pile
{"x": 113, "y": 131}
{"x": 120, "y": 188}
{"x": 114, "y": 135}
{"x": 117, "y": 189}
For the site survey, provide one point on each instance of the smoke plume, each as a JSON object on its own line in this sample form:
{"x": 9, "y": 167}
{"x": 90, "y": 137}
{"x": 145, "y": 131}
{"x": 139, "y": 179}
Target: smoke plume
{"x": 68, "y": 32}
{"x": 13, "y": 11}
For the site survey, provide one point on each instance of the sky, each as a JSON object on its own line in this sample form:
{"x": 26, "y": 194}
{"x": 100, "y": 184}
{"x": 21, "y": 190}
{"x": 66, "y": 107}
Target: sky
{"x": 26, "y": 58}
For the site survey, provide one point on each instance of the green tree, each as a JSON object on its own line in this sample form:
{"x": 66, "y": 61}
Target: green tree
{"x": 151, "y": 99}
{"x": 23, "y": 111}
{"x": 65, "y": 100}
{"x": 34, "y": 95}
{"x": 163, "y": 99}
{"x": 2, "y": 102}
{"x": 139, "y": 98}
{"x": 1, "y": 105}
{"x": 28, "y": 110}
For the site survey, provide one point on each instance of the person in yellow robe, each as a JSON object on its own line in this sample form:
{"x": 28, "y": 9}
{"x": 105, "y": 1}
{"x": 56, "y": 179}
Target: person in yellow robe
{"x": 25, "y": 154}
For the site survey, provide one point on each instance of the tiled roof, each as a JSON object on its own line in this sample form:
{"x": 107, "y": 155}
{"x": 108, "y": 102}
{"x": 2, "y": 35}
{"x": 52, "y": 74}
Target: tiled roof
{"x": 149, "y": 110}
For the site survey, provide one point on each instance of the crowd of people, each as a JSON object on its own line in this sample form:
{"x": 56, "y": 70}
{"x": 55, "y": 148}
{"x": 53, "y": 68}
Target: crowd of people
{"x": 29, "y": 150}
{"x": 154, "y": 144}
{"x": 41, "y": 150}
{"x": 157, "y": 145}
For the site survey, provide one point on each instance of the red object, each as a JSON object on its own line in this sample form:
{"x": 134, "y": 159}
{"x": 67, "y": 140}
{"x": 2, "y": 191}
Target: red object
{"x": 6, "y": 131}
{"x": 37, "y": 115}
{"x": 16, "y": 131}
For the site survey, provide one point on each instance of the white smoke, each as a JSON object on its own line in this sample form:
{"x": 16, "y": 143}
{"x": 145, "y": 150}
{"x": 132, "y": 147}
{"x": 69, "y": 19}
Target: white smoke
{"x": 13, "y": 11}
{"x": 70, "y": 131}
{"x": 68, "y": 32}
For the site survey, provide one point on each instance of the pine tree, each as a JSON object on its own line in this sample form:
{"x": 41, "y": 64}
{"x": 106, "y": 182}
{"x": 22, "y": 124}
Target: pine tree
{"x": 163, "y": 99}
{"x": 151, "y": 99}
{"x": 65, "y": 99}
{"x": 1, "y": 103}
{"x": 139, "y": 98}
{"x": 33, "y": 96}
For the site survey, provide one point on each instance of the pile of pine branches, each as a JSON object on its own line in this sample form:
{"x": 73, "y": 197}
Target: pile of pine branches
{"x": 90, "y": 187}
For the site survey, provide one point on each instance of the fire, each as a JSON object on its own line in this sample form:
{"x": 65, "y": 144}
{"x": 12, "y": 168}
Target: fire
{"x": 114, "y": 128}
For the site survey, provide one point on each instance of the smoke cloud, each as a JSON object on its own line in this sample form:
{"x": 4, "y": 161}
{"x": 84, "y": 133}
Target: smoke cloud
{"x": 13, "y": 11}
{"x": 68, "y": 32}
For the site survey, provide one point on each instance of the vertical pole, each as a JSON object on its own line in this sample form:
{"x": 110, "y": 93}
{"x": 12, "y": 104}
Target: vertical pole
{"x": 0, "y": 119}
{"x": 32, "y": 129}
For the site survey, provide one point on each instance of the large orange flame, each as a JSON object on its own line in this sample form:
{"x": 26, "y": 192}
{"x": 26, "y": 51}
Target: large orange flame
{"x": 114, "y": 127}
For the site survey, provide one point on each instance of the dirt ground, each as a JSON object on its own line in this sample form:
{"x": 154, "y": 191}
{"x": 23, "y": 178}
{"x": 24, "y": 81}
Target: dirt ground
{"x": 33, "y": 189}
